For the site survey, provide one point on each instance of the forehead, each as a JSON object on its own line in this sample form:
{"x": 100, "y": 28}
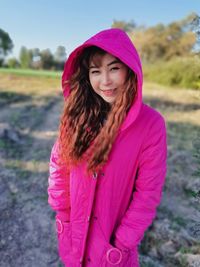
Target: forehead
{"x": 101, "y": 59}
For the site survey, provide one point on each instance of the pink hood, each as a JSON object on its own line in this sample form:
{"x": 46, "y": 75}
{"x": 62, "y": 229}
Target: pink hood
{"x": 117, "y": 43}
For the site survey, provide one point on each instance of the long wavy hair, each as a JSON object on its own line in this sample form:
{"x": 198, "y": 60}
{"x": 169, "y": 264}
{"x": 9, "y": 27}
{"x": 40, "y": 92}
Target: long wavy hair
{"x": 89, "y": 124}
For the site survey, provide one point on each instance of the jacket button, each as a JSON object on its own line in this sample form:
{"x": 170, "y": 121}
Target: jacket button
{"x": 88, "y": 218}
{"x": 95, "y": 175}
{"x": 81, "y": 260}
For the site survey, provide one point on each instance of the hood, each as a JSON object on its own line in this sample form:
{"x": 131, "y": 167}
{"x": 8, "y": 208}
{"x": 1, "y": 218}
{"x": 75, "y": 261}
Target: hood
{"x": 117, "y": 43}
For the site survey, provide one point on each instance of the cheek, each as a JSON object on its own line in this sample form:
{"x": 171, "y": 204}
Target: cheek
{"x": 123, "y": 77}
{"x": 119, "y": 80}
{"x": 93, "y": 82}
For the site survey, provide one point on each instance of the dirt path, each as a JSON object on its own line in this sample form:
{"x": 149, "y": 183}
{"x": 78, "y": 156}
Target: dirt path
{"x": 28, "y": 130}
{"x": 26, "y": 226}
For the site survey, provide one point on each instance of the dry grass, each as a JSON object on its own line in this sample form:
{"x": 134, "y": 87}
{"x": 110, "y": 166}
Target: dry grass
{"x": 29, "y": 85}
{"x": 26, "y": 103}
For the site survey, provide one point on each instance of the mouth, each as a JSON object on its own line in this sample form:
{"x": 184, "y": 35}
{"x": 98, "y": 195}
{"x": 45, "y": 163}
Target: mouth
{"x": 109, "y": 92}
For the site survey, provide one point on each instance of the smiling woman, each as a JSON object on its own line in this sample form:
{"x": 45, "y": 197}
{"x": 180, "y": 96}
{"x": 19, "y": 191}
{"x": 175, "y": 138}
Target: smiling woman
{"x": 108, "y": 164}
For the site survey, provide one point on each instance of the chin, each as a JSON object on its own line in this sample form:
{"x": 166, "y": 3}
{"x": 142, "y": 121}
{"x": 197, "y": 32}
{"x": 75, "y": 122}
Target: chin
{"x": 109, "y": 101}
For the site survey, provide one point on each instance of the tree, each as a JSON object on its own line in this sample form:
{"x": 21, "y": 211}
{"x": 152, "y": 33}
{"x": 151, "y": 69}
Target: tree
{"x": 13, "y": 63}
{"x": 165, "y": 42}
{"x": 195, "y": 27}
{"x": 60, "y": 54}
{"x": 36, "y": 58}
{"x": 47, "y": 60}
{"x": 126, "y": 26}
{"x": 60, "y": 57}
{"x": 6, "y": 45}
{"x": 25, "y": 57}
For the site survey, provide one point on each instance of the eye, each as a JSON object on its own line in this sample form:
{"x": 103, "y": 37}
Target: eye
{"x": 115, "y": 68}
{"x": 94, "y": 71}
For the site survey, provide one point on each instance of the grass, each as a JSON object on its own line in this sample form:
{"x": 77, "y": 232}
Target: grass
{"x": 27, "y": 95}
{"x": 12, "y": 97}
{"x": 193, "y": 250}
{"x": 149, "y": 264}
{"x": 191, "y": 193}
{"x": 10, "y": 149}
{"x": 31, "y": 112}
{"x": 24, "y": 86}
{"x": 176, "y": 221}
{"x": 24, "y": 169}
{"x": 30, "y": 72}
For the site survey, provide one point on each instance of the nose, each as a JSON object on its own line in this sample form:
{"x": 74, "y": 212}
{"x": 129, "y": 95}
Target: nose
{"x": 105, "y": 80}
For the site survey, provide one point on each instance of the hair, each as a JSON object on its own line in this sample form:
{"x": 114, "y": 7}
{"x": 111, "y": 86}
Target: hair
{"x": 89, "y": 124}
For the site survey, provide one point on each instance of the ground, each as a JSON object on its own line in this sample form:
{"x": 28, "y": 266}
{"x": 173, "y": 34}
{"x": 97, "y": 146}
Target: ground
{"x": 30, "y": 109}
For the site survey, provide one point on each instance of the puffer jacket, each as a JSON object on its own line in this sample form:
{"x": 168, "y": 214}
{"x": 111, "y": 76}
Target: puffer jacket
{"x": 101, "y": 219}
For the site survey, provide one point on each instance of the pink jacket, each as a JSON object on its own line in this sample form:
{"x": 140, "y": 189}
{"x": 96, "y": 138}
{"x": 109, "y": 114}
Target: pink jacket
{"x": 101, "y": 219}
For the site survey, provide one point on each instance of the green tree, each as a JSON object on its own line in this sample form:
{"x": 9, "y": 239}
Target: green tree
{"x": 164, "y": 42}
{"x": 13, "y": 63}
{"x": 25, "y": 57}
{"x": 47, "y": 60}
{"x": 6, "y": 45}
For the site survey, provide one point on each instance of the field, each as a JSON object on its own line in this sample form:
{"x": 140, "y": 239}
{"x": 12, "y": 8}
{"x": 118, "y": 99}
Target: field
{"x": 30, "y": 107}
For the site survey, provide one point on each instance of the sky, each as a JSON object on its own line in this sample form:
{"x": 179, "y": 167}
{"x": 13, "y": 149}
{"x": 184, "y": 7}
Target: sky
{"x": 48, "y": 24}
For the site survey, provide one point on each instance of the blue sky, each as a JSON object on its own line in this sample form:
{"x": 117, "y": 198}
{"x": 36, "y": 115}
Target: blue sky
{"x": 48, "y": 23}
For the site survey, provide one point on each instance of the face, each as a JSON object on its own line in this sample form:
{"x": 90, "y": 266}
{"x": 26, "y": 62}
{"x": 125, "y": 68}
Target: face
{"x": 108, "y": 78}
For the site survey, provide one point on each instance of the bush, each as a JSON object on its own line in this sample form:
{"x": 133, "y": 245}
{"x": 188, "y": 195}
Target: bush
{"x": 183, "y": 72}
{"x": 13, "y": 63}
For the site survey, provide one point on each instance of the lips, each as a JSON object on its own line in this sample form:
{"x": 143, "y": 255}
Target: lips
{"x": 109, "y": 92}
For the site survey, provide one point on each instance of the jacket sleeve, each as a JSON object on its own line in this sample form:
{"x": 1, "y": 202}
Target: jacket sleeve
{"x": 148, "y": 187}
{"x": 58, "y": 185}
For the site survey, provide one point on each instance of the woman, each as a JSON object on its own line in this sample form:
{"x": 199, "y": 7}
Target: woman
{"x": 108, "y": 165}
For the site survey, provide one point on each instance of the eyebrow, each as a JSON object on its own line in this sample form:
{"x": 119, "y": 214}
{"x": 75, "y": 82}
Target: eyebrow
{"x": 113, "y": 62}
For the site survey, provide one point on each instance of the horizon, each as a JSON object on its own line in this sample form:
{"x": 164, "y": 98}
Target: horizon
{"x": 42, "y": 24}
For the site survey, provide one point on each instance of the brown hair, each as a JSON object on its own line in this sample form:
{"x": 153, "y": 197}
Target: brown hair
{"x": 89, "y": 125}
